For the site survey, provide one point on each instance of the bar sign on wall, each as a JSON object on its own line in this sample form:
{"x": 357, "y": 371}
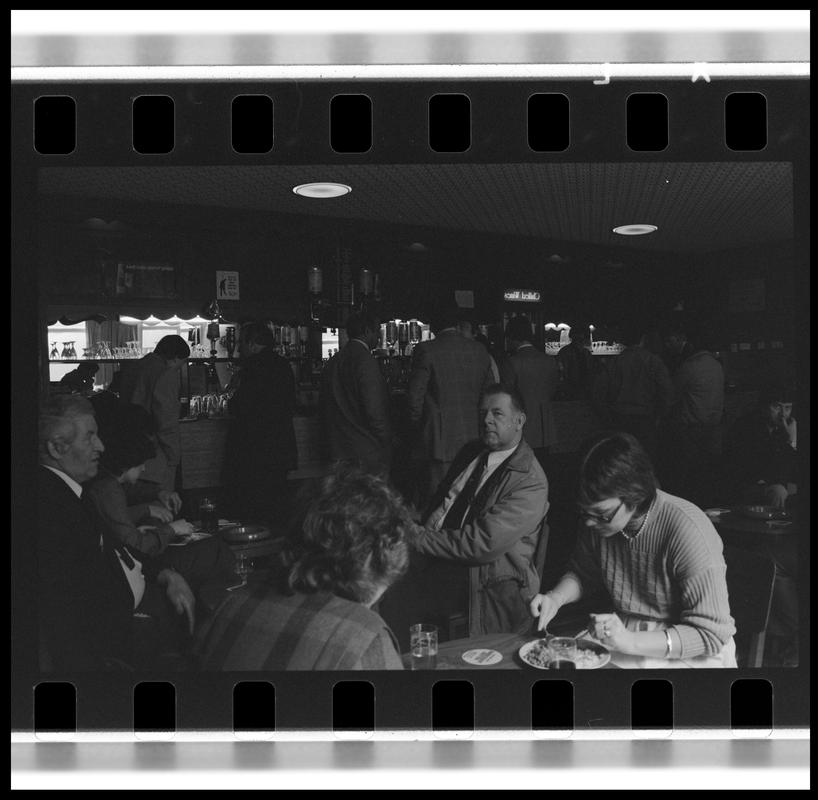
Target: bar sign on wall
{"x": 227, "y": 285}
{"x": 521, "y": 296}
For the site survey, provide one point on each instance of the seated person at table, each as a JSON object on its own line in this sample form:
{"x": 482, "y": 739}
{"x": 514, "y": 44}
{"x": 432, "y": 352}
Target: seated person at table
{"x": 121, "y": 464}
{"x": 484, "y": 525}
{"x": 317, "y": 614}
{"x": 654, "y": 558}
{"x": 90, "y": 585}
{"x": 146, "y": 499}
{"x": 761, "y": 460}
{"x": 761, "y": 467}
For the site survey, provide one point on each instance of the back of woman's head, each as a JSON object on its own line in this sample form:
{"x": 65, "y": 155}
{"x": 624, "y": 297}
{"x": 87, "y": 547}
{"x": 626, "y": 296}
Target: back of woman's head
{"x": 353, "y": 538}
{"x": 125, "y": 449}
{"x": 614, "y": 464}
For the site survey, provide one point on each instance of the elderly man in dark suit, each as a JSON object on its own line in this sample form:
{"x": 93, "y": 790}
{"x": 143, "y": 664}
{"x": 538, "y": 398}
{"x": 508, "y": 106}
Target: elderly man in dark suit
{"x": 536, "y": 377}
{"x": 89, "y": 584}
{"x": 448, "y": 375}
{"x": 355, "y": 400}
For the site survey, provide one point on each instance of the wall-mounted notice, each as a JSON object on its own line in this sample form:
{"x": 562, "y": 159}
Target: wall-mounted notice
{"x": 227, "y": 285}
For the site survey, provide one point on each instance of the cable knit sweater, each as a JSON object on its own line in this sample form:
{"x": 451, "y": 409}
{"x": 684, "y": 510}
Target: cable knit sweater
{"x": 673, "y": 572}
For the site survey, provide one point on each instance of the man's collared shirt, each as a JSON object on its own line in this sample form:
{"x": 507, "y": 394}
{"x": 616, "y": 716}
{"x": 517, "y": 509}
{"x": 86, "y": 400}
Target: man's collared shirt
{"x": 496, "y": 457}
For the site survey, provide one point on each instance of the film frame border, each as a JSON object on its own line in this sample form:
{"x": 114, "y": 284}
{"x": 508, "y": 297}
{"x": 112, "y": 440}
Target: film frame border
{"x": 402, "y": 696}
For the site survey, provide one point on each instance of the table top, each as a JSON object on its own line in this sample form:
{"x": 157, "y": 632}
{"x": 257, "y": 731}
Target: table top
{"x": 449, "y": 654}
{"x": 734, "y": 522}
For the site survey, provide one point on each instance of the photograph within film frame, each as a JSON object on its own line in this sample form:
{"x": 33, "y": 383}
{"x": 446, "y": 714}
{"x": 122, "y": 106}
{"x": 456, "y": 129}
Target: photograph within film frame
{"x": 480, "y": 196}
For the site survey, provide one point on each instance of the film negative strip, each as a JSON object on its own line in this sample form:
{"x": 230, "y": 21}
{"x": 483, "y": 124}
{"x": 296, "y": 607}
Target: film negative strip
{"x": 130, "y": 196}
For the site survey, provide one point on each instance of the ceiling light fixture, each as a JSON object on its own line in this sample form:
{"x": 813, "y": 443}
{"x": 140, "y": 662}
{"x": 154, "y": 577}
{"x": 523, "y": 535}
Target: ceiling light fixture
{"x": 322, "y": 189}
{"x": 634, "y": 230}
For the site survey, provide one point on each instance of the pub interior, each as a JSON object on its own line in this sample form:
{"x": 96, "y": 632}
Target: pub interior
{"x": 129, "y": 255}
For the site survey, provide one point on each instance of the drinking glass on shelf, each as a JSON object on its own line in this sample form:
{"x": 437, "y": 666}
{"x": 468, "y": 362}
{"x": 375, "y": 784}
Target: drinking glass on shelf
{"x": 55, "y": 353}
{"x": 391, "y": 335}
{"x": 66, "y": 353}
{"x": 244, "y": 567}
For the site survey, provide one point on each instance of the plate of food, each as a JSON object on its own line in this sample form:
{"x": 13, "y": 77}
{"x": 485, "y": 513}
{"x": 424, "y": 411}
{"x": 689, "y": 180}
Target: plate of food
{"x": 761, "y": 512}
{"x": 590, "y": 654}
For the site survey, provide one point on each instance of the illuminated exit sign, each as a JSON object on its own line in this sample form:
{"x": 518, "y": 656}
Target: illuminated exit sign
{"x": 521, "y": 296}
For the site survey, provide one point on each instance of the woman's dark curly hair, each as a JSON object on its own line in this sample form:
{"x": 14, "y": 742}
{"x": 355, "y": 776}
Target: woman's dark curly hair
{"x": 352, "y": 540}
{"x": 614, "y": 464}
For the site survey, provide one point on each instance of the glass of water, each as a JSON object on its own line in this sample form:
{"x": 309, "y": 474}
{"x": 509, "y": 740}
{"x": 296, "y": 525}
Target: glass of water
{"x": 423, "y": 645}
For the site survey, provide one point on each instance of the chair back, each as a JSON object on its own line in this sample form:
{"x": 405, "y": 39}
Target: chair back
{"x": 750, "y": 578}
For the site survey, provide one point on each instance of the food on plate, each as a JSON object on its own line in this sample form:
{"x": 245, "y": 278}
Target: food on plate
{"x": 590, "y": 654}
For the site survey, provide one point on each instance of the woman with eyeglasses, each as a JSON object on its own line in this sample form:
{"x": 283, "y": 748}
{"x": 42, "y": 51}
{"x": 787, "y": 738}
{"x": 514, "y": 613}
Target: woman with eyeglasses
{"x": 654, "y": 558}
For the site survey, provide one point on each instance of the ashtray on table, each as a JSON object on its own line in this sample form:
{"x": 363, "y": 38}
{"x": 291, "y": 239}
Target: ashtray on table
{"x": 244, "y": 534}
{"x": 761, "y": 512}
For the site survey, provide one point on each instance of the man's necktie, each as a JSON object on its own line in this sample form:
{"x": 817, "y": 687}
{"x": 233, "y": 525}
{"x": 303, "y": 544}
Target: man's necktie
{"x": 455, "y": 515}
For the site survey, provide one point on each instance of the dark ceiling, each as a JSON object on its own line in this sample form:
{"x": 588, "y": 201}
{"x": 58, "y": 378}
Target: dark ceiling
{"x": 697, "y": 207}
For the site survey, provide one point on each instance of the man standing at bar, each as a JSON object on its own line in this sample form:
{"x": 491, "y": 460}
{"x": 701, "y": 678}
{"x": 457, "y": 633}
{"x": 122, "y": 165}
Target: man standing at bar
{"x": 484, "y": 533}
{"x": 155, "y": 385}
{"x": 693, "y": 440}
{"x": 260, "y": 446}
{"x": 355, "y": 400}
{"x": 536, "y": 377}
{"x": 637, "y": 391}
{"x": 448, "y": 375}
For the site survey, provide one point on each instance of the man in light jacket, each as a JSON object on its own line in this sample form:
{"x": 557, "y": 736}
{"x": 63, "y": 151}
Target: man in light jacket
{"x": 485, "y": 524}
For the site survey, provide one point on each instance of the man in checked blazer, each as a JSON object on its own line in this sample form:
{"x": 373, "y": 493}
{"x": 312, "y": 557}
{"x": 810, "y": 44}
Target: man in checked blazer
{"x": 448, "y": 375}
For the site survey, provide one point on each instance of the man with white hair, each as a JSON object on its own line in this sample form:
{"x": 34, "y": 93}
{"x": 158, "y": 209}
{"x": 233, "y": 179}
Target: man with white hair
{"x": 90, "y": 585}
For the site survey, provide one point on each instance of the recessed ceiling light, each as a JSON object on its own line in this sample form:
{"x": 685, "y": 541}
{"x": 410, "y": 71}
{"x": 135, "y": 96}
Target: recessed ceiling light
{"x": 322, "y": 189}
{"x": 635, "y": 230}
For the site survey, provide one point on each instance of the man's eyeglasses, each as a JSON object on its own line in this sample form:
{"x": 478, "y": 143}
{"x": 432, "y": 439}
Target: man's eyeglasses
{"x": 606, "y": 518}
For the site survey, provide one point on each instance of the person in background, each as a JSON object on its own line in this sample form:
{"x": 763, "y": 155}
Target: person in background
{"x": 122, "y": 463}
{"x": 448, "y": 375}
{"x": 355, "y": 400}
{"x": 692, "y": 439}
{"x": 317, "y": 614}
{"x": 81, "y": 379}
{"x": 154, "y": 385}
{"x": 677, "y": 346}
{"x": 90, "y": 585}
{"x": 655, "y": 557}
{"x": 574, "y": 362}
{"x": 760, "y": 457}
{"x": 536, "y": 377}
{"x": 468, "y": 330}
{"x": 636, "y": 391}
{"x": 761, "y": 467}
{"x": 482, "y": 534}
{"x": 145, "y": 498}
{"x": 260, "y": 447}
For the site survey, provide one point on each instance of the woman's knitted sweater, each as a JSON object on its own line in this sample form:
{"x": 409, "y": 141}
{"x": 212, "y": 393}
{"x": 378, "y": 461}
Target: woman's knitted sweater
{"x": 672, "y": 572}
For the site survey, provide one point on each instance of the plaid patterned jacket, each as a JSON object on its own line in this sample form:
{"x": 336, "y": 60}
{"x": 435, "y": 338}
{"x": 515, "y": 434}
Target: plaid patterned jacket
{"x": 448, "y": 374}
{"x": 260, "y": 629}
